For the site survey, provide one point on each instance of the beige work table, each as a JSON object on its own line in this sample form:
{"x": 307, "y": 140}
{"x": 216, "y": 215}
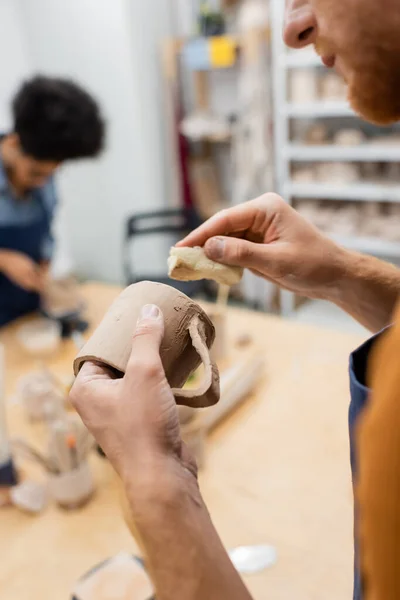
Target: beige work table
{"x": 277, "y": 472}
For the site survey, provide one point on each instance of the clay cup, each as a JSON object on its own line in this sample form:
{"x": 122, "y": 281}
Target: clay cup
{"x": 188, "y": 338}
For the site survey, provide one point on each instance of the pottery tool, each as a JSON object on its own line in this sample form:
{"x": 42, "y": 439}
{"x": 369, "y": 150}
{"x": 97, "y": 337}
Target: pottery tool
{"x": 71, "y": 444}
{"x": 192, "y": 264}
{"x": 59, "y": 450}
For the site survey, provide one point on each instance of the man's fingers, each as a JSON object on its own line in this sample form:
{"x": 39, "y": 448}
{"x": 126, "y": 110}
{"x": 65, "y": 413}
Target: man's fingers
{"x": 91, "y": 371}
{"x": 229, "y": 221}
{"x": 253, "y": 217}
{"x": 240, "y": 253}
{"x": 145, "y": 361}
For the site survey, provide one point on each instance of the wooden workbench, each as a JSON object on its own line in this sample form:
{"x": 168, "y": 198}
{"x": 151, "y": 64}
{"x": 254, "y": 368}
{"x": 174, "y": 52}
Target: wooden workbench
{"x": 277, "y": 472}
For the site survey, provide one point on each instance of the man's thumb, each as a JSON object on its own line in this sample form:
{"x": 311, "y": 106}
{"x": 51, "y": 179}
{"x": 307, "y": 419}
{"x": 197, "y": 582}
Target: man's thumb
{"x": 236, "y": 252}
{"x": 146, "y": 340}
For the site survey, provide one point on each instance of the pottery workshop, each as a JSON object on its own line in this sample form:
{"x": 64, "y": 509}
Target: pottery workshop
{"x": 199, "y": 273}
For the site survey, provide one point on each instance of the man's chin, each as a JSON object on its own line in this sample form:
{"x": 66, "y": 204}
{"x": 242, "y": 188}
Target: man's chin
{"x": 374, "y": 111}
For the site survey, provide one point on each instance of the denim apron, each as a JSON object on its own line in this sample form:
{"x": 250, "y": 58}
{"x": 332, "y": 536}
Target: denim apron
{"x": 27, "y": 239}
{"x": 359, "y": 398}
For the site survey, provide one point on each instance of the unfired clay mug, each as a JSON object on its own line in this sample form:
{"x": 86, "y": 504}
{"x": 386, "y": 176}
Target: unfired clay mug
{"x": 188, "y": 337}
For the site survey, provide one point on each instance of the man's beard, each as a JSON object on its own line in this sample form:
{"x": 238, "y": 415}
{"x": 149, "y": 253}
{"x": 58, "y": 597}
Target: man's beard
{"x": 374, "y": 92}
{"x": 373, "y": 78}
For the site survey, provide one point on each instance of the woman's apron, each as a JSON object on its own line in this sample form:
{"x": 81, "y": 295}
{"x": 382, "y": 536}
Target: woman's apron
{"x": 27, "y": 239}
{"x": 359, "y": 398}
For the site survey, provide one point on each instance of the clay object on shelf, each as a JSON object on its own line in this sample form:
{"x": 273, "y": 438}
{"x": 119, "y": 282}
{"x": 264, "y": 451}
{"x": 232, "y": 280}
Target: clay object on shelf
{"x": 188, "y": 337}
{"x": 349, "y": 137}
{"x": 392, "y": 173}
{"x": 337, "y": 173}
{"x": 303, "y": 86}
{"x": 317, "y": 135}
{"x": 346, "y": 221}
{"x": 191, "y": 264}
{"x": 304, "y": 174}
{"x": 370, "y": 219}
{"x": 371, "y": 171}
{"x": 332, "y": 87}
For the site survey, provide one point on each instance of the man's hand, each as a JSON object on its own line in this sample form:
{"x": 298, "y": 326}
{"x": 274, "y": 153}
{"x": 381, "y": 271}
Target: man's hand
{"x": 22, "y": 270}
{"x": 134, "y": 419}
{"x": 271, "y": 239}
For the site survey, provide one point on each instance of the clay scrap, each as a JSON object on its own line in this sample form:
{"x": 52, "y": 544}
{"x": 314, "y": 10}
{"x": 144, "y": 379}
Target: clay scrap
{"x": 192, "y": 264}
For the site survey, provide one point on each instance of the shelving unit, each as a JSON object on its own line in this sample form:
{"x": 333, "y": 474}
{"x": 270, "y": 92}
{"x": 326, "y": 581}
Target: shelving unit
{"x": 287, "y": 151}
{"x": 357, "y": 192}
{"x": 364, "y": 153}
{"x": 311, "y": 110}
{"x": 367, "y": 245}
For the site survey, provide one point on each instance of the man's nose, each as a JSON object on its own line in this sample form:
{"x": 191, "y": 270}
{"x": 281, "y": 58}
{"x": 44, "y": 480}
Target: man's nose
{"x": 300, "y": 27}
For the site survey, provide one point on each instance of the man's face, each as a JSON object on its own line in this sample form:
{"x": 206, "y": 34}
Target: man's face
{"x": 361, "y": 39}
{"x": 25, "y": 171}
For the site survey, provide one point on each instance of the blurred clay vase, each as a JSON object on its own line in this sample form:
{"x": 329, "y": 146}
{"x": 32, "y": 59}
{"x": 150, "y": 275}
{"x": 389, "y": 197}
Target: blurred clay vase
{"x": 188, "y": 337}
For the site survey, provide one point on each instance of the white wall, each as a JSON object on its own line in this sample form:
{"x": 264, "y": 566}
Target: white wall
{"x": 113, "y": 52}
{"x": 14, "y": 57}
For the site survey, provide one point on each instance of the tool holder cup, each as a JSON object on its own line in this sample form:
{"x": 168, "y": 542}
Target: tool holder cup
{"x": 188, "y": 338}
{"x": 72, "y": 489}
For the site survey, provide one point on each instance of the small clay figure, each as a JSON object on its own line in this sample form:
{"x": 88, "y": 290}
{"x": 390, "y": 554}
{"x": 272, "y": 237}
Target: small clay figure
{"x": 191, "y": 264}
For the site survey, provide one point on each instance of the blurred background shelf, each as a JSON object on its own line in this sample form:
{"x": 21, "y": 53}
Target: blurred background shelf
{"x": 367, "y": 245}
{"x": 363, "y": 192}
{"x": 322, "y": 108}
{"x": 363, "y": 153}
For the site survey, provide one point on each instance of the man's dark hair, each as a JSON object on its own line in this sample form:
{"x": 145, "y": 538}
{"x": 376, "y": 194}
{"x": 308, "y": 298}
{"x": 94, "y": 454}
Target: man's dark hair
{"x": 57, "y": 120}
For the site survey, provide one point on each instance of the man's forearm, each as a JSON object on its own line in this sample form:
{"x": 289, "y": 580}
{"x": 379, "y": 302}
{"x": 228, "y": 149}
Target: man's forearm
{"x": 184, "y": 553}
{"x": 367, "y": 289}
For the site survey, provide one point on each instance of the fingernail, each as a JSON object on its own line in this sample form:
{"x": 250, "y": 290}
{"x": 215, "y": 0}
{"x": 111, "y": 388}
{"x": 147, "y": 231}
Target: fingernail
{"x": 215, "y": 248}
{"x": 149, "y": 311}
